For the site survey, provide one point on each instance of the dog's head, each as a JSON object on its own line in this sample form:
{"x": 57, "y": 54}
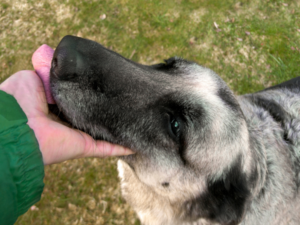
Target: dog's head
{"x": 181, "y": 119}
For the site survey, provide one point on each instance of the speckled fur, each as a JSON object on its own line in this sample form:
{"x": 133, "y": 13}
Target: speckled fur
{"x": 233, "y": 160}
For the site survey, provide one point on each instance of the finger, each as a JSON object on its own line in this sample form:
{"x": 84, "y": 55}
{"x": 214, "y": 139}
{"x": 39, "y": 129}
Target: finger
{"x": 102, "y": 148}
{"x": 107, "y": 149}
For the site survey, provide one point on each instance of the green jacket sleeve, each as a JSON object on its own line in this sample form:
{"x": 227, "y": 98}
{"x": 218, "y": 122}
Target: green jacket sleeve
{"x": 21, "y": 163}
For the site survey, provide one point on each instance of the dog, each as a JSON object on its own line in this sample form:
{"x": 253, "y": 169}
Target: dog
{"x": 203, "y": 155}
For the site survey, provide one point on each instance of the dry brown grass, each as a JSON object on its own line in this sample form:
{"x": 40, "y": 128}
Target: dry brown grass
{"x": 83, "y": 191}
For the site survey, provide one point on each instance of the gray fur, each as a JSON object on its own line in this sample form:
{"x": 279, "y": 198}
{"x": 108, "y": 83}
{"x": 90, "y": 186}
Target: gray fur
{"x": 233, "y": 160}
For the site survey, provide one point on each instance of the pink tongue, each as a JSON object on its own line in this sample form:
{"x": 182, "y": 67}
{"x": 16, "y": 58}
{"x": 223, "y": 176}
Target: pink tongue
{"x": 41, "y": 60}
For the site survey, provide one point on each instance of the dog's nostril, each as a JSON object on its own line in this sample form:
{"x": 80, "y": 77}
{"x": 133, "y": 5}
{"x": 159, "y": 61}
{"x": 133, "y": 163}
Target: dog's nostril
{"x": 54, "y": 63}
{"x": 54, "y": 67}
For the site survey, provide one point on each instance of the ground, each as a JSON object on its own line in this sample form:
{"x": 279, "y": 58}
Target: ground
{"x": 250, "y": 44}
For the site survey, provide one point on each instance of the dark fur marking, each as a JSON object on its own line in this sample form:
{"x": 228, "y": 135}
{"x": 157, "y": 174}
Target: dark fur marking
{"x": 279, "y": 115}
{"x": 229, "y": 100}
{"x": 293, "y": 85}
{"x": 171, "y": 65}
{"x": 165, "y": 184}
{"x": 275, "y": 110}
{"x": 225, "y": 200}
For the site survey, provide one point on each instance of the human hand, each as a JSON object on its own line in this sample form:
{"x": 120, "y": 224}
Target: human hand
{"x": 57, "y": 142}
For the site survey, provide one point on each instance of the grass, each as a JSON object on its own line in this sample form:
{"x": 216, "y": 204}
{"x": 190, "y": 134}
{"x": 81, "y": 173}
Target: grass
{"x": 250, "y": 44}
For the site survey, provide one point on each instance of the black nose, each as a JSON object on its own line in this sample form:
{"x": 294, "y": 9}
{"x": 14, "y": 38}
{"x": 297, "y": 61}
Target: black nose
{"x": 66, "y": 61}
{"x": 81, "y": 59}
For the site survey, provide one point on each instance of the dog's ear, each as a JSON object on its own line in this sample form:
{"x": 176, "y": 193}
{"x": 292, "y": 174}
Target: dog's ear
{"x": 224, "y": 201}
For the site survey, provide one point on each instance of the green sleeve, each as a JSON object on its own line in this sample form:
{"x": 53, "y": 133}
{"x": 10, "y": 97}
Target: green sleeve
{"x": 21, "y": 162}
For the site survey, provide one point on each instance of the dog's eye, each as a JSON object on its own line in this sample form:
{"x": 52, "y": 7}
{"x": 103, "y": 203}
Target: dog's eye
{"x": 175, "y": 126}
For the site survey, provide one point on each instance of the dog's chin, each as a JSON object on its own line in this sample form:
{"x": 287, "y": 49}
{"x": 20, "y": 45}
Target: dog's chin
{"x": 97, "y": 132}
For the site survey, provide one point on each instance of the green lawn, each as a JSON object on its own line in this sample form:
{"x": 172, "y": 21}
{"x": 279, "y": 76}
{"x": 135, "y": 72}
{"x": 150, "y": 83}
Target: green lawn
{"x": 251, "y": 44}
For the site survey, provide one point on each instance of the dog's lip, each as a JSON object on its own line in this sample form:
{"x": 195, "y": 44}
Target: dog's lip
{"x": 105, "y": 134}
{"x": 97, "y": 132}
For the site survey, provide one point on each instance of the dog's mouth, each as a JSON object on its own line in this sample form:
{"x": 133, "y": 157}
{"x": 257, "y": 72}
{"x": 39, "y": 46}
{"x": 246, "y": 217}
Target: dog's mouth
{"x": 67, "y": 67}
{"x": 77, "y": 76}
{"x": 98, "y": 132}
